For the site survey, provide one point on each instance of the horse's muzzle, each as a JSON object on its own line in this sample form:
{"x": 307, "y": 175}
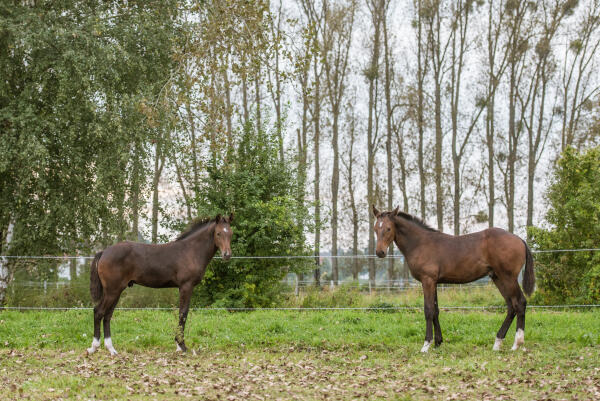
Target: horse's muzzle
{"x": 226, "y": 255}
{"x": 380, "y": 254}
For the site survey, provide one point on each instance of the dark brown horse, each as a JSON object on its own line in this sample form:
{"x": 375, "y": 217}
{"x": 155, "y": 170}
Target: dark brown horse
{"x": 434, "y": 257}
{"x": 180, "y": 263}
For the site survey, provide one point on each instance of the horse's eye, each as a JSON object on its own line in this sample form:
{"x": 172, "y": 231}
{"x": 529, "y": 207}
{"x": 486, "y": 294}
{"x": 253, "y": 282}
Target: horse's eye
{"x": 218, "y": 234}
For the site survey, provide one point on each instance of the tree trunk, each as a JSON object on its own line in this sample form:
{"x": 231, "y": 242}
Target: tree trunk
{"x": 420, "y": 111}
{"x": 388, "y": 142}
{"x": 158, "y": 166}
{"x": 302, "y": 142}
{"x": 276, "y": 92}
{"x": 317, "y": 121}
{"x": 135, "y": 194}
{"x": 371, "y": 135}
{"x": 245, "y": 106}
{"x": 5, "y": 271}
{"x": 258, "y": 99}
{"x": 229, "y": 109}
{"x": 353, "y": 208}
{"x": 335, "y": 183}
{"x": 437, "y": 65}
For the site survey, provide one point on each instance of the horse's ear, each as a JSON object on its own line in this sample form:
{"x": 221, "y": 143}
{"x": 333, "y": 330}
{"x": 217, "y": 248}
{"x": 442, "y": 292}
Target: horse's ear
{"x": 230, "y": 217}
{"x": 395, "y": 212}
{"x": 375, "y": 211}
{"x": 218, "y": 218}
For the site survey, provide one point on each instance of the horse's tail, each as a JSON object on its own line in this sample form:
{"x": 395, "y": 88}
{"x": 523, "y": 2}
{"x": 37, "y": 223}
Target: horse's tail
{"x": 528, "y": 274}
{"x": 95, "y": 284}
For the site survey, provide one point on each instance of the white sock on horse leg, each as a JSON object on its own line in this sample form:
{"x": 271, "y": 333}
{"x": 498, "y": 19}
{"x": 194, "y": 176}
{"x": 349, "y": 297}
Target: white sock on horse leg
{"x": 426, "y": 346}
{"x": 519, "y": 339}
{"x": 498, "y": 344}
{"x": 178, "y": 347}
{"x": 95, "y": 345}
{"x": 109, "y": 346}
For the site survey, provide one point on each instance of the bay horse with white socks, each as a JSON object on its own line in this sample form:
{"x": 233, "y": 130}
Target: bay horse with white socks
{"x": 181, "y": 263}
{"x": 434, "y": 257}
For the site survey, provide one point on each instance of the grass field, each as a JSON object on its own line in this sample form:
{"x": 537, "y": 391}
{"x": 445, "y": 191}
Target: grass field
{"x": 299, "y": 355}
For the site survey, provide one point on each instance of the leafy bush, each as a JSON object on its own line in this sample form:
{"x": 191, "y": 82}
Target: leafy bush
{"x": 260, "y": 190}
{"x": 574, "y": 216}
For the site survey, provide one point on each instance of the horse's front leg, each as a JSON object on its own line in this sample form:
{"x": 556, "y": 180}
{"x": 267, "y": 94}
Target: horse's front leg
{"x": 436, "y": 321}
{"x": 185, "y": 293}
{"x": 430, "y": 307}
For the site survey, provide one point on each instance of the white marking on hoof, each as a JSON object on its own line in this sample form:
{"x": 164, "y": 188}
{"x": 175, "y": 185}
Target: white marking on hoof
{"x": 178, "y": 347}
{"x": 109, "y": 346}
{"x": 519, "y": 339}
{"x": 94, "y": 347}
{"x": 426, "y": 346}
{"x": 498, "y": 344}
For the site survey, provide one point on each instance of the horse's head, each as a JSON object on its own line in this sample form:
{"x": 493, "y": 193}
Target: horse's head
{"x": 223, "y": 235}
{"x": 385, "y": 230}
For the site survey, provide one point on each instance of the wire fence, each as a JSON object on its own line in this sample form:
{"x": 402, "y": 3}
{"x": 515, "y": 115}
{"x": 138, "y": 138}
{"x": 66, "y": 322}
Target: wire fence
{"x": 392, "y": 256}
{"x": 296, "y": 285}
{"x": 301, "y": 309}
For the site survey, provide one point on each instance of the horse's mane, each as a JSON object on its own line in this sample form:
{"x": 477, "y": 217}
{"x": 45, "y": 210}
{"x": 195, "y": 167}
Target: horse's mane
{"x": 196, "y": 225}
{"x": 415, "y": 220}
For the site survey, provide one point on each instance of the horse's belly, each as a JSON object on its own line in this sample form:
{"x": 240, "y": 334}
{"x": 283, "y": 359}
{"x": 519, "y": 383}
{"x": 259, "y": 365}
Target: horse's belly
{"x": 156, "y": 283}
{"x": 464, "y": 275}
{"x": 154, "y": 277}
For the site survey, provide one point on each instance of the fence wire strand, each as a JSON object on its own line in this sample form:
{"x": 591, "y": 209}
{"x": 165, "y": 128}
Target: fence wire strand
{"x": 300, "y": 309}
{"x": 394, "y": 256}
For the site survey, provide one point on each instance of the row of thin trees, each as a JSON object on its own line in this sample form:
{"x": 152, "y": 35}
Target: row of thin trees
{"x": 453, "y": 109}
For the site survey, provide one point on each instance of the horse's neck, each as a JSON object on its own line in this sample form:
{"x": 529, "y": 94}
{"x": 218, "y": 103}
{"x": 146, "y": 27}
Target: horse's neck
{"x": 408, "y": 236}
{"x": 203, "y": 242}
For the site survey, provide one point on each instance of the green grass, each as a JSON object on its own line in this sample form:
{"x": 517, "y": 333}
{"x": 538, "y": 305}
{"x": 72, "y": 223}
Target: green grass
{"x": 303, "y": 355}
{"x": 349, "y": 296}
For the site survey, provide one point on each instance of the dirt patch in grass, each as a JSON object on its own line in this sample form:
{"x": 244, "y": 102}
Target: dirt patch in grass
{"x": 292, "y": 373}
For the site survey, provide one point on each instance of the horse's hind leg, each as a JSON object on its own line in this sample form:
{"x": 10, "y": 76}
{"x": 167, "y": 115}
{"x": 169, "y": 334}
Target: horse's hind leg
{"x": 519, "y": 304}
{"x": 99, "y": 311}
{"x": 515, "y": 302}
{"x": 112, "y": 300}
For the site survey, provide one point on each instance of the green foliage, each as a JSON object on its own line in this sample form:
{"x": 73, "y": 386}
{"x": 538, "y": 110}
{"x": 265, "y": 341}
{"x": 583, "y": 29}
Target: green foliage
{"x": 72, "y": 121}
{"x": 259, "y": 189}
{"x": 574, "y": 216}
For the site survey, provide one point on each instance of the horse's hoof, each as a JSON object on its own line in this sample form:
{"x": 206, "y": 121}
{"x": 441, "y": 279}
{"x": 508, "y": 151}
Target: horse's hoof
{"x": 94, "y": 347}
{"x": 109, "y": 346}
{"x": 519, "y": 339}
{"x": 426, "y": 346}
{"x": 497, "y": 344}
{"x": 180, "y": 347}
